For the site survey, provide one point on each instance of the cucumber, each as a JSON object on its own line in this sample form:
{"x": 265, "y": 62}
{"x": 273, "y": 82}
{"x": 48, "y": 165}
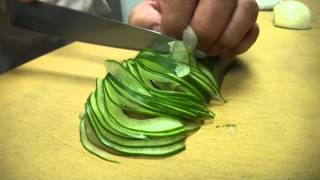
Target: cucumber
{"x": 119, "y": 148}
{"x": 166, "y": 65}
{"x": 127, "y": 104}
{"x": 89, "y": 146}
{"x": 103, "y": 123}
{"x": 218, "y": 67}
{"x": 216, "y": 89}
{"x": 105, "y": 136}
{"x": 178, "y": 98}
{"x": 149, "y": 78}
{"x": 148, "y": 106}
{"x": 180, "y": 52}
{"x": 131, "y": 66}
{"x": 157, "y": 124}
{"x": 110, "y": 121}
{"x": 204, "y": 85}
{"x": 129, "y": 79}
{"x": 124, "y": 76}
{"x": 148, "y": 64}
{"x": 131, "y": 83}
{"x": 151, "y": 103}
{"x": 153, "y": 127}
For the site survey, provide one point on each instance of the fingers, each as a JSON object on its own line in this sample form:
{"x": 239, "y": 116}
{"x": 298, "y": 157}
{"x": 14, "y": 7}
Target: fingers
{"x": 146, "y": 15}
{"x": 222, "y": 27}
{"x": 242, "y": 20}
{"x": 176, "y": 16}
{"x": 210, "y": 19}
{"x": 248, "y": 40}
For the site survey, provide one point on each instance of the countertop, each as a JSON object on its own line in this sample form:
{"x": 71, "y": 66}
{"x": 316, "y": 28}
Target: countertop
{"x": 274, "y": 100}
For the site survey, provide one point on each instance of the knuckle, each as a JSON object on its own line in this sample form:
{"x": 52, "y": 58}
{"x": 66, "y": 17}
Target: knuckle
{"x": 249, "y": 5}
{"x": 226, "y": 43}
{"x": 231, "y": 3}
{"x": 256, "y": 28}
{"x": 254, "y": 32}
{"x": 241, "y": 51}
{"x": 205, "y": 33}
{"x": 203, "y": 30}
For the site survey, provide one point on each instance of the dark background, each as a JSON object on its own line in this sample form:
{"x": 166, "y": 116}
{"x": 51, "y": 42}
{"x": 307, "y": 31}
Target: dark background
{"x": 18, "y": 46}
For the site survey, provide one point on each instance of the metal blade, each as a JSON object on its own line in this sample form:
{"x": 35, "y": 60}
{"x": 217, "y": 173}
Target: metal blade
{"x": 76, "y": 25}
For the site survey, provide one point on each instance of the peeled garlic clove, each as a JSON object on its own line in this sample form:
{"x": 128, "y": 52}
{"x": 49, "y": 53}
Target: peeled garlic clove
{"x": 267, "y": 4}
{"x": 292, "y": 14}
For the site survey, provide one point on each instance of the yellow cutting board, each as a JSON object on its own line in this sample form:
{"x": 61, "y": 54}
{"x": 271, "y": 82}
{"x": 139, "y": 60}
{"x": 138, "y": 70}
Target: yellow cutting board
{"x": 274, "y": 103}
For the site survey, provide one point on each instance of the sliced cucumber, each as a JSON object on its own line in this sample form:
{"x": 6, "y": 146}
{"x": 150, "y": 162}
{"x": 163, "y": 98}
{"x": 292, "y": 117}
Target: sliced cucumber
{"x": 216, "y": 89}
{"x": 166, "y": 65}
{"x": 157, "y": 124}
{"x": 180, "y": 52}
{"x": 108, "y": 145}
{"x": 150, "y": 79}
{"x": 186, "y": 86}
{"x": 105, "y": 136}
{"x": 125, "y": 103}
{"x": 152, "y": 103}
{"x": 149, "y": 105}
{"x": 218, "y": 67}
{"x": 88, "y": 145}
{"x": 124, "y": 132}
{"x": 124, "y": 76}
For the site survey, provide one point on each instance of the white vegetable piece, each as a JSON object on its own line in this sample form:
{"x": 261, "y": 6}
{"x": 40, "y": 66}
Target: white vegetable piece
{"x": 292, "y": 14}
{"x": 267, "y": 4}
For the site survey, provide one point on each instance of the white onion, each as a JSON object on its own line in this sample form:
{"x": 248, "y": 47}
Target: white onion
{"x": 292, "y": 14}
{"x": 267, "y": 4}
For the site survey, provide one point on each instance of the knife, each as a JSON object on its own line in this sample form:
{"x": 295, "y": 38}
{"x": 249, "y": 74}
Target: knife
{"x": 75, "y": 25}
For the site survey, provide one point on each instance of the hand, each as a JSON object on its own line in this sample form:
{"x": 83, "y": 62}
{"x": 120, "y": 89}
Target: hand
{"x": 147, "y": 15}
{"x": 225, "y": 27}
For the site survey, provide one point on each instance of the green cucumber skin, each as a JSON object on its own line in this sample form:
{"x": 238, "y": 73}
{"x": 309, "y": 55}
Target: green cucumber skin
{"x": 184, "y": 88}
{"x": 120, "y": 131}
{"x": 133, "y": 82}
{"x": 153, "y": 134}
{"x": 129, "y": 150}
{"x": 118, "y": 99}
{"x": 218, "y": 67}
{"x": 164, "y": 107}
{"x": 105, "y": 136}
{"x": 172, "y": 132}
{"x": 89, "y": 146}
{"x": 186, "y": 85}
{"x": 145, "y": 126}
{"x": 121, "y": 119}
{"x": 143, "y": 74}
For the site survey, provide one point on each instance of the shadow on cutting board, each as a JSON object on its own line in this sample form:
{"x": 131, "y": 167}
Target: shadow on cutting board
{"x": 238, "y": 74}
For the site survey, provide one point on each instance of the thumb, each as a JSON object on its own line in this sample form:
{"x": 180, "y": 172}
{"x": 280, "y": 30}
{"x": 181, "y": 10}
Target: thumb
{"x": 146, "y": 15}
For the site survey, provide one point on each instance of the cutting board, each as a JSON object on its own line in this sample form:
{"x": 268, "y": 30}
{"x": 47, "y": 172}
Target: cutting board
{"x": 269, "y": 129}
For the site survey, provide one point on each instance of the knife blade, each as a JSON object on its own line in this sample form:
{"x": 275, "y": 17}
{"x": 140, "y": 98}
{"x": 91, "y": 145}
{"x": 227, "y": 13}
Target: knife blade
{"x": 75, "y": 25}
